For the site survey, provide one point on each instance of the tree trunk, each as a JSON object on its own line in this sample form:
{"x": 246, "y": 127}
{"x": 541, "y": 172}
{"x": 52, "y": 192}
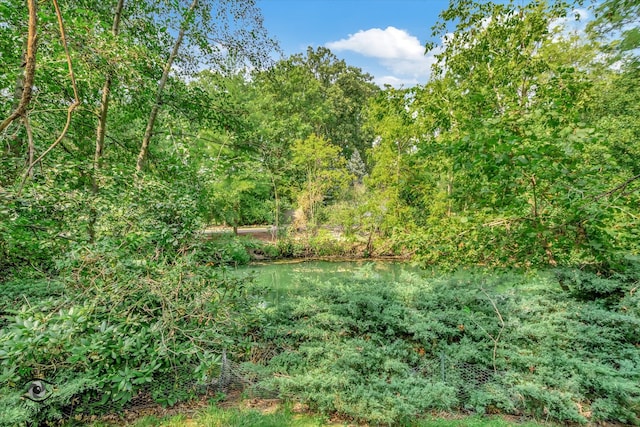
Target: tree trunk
{"x": 104, "y": 103}
{"x": 29, "y": 68}
{"x": 546, "y": 246}
{"x": 148, "y": 133}
{"x": 277, "y": 212}
{"x": 71, "y": 108}
{"x": 102, "y": 127}
{"x": 31, "y": 145}
{"x": 19, "y": 89}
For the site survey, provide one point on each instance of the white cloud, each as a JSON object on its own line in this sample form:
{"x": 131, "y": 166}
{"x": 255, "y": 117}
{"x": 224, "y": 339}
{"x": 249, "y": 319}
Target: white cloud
{"x": 396, "y": 50}
{"x": 569, "y": 24}
{"x": 390, "y": 43}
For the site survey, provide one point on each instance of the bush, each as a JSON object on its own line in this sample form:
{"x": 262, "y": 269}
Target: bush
{"x": 223, "y": 250}
{"x": 386, "y": 352}
{"x": 124, "y": 325}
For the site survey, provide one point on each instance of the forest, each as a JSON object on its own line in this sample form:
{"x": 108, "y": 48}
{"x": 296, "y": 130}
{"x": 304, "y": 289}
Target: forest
{"x": 512, "y": 178}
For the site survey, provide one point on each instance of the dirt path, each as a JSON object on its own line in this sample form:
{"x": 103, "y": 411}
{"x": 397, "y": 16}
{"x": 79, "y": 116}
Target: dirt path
{"x": 264, "y": 233}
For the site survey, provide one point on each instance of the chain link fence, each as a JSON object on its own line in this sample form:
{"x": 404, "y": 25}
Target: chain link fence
{"x": 466, "y": 378}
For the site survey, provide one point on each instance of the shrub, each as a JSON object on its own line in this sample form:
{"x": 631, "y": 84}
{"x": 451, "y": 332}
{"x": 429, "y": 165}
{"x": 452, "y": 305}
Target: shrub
{"x": 124, "y": 325}
{"x": 223, "y": 250}
{"x": 500, "y": 342}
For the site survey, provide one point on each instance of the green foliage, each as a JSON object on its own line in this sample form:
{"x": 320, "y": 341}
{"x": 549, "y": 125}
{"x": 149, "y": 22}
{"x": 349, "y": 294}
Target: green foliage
{"x": 36, "y": 226}
{"x": 225, "y": 249}
{"x": 620, "y": 16}
{"x": 288, "y": 247}
{"x": 125, "y": 324}
{"x": 324, "y": 243}
{"x": 511, "y": 343}
{"x": 242, "y": 199}
{"x": 280, "y": 416}
{"x": 22, "y": 290}
{"x": 356, "y": 166}
{"x": 323, "y": 174}
{"x": 520, "y": 149}
{"x": 315, "y": 93}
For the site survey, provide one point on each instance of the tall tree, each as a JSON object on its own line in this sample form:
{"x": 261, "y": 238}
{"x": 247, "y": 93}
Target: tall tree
{"x": 320, "y": 94}
{"x": 146, "y": 139}
{"x": 324, "y": 173}
{"x": 508, "y": 114}
{"x": 390, "y": 117}
{"x": 213, "y": 30}
{"x": 102, "y": 124}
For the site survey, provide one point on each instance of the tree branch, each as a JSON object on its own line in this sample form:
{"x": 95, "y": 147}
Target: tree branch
{"x": 31, "y": 145}
{"x": 148, "y": 133}
{"x": 71, "y": 108}
{"x": 617, "y": 188}
{"x": 495, "y": 339}
{"x": 30, "y": 67}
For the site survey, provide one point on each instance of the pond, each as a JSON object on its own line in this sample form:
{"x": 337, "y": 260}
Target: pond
{"x": 284, "y": 279}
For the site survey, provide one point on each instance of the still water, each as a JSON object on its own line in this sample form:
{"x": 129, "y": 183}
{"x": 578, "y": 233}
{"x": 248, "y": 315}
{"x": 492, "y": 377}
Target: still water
{"x": 284, "y": 279}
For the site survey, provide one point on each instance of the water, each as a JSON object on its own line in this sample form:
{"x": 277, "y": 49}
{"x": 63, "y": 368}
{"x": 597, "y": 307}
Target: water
{"x": 285, "y": 279}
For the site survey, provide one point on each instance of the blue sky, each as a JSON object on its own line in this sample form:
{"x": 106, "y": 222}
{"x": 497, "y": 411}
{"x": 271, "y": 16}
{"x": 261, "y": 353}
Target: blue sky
{"x": 385, "y": 38}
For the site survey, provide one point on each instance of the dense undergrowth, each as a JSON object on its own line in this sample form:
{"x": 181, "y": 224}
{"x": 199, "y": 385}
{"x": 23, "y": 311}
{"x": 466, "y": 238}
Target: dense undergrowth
{"x": 521, "y": 151}
{"x": 561, "y": 346}
{"x": 135, "y": 313}
{"x": 114, "y": 325}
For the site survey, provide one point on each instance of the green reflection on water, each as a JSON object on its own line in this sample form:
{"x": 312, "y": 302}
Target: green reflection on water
{"x": 285, "y": 279}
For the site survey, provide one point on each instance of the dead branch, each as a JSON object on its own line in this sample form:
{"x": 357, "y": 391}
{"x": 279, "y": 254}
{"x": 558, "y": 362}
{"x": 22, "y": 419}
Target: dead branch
{"x": 495, "y": 339}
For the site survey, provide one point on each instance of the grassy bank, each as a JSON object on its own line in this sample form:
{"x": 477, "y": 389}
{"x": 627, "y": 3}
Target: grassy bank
{"x": 557, "y": 345}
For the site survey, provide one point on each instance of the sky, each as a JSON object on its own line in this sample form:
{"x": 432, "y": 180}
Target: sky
{"x": 384, "y": 38}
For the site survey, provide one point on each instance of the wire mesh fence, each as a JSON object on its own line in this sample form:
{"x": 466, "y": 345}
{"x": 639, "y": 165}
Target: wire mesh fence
{"x": 466, "y": 378}
{"x": 89, "y": 402}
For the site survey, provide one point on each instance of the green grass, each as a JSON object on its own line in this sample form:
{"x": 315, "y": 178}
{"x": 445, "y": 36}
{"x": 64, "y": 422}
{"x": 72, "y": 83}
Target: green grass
{"x": 235, "y": 417}
{"x": 284, "y": 417}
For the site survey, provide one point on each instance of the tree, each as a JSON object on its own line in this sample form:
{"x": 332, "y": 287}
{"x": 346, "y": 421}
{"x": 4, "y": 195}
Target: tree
{"x": 617, "y": 21}
{"x": 356, "y": 166}
{"x": 317, "y": 93}
{"x": 390, "y": 117}
{"x": 323, "y": 172}
{"x": 245, "y": 38}
{"x": 24, "y": 85}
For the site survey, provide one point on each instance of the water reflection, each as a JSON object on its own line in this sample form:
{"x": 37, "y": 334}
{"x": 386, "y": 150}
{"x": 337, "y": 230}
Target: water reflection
{"x": 285, "y": 279}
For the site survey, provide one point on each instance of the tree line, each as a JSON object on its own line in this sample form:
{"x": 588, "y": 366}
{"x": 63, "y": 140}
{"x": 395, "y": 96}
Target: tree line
{"x": 146, "y": 121}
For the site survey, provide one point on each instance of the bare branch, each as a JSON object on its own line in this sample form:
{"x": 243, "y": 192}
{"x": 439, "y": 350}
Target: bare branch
{"x": 495, "y": 339}
{"x": 148, "y": 133}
